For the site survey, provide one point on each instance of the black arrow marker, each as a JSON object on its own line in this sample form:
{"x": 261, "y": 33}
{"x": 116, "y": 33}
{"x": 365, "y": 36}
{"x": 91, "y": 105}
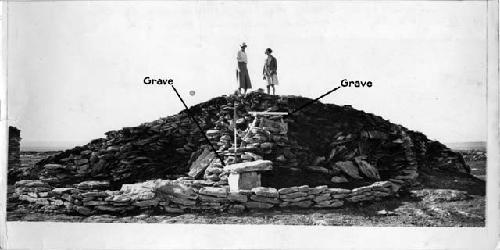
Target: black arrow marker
{"x": 199, "y": 127}
{"x": 313, "y": 101}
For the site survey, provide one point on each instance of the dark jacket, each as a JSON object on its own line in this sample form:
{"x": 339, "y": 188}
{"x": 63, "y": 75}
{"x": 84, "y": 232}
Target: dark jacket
{"x": 271, "y": 66}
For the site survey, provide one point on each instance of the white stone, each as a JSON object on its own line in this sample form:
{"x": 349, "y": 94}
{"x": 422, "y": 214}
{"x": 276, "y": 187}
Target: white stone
{"x": 243, "y": 181}
{"x": 258, "y": 165}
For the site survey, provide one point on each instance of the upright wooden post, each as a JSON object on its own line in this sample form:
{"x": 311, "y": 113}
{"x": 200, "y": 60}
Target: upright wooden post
{"x": 235, "y": 132}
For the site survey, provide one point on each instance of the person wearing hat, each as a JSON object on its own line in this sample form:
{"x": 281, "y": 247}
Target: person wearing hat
{"x": 243, "y": 76}
{"x": 270, "y": 70}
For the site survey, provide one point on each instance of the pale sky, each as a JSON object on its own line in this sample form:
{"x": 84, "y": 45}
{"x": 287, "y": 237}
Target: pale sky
{"x": 76, "y": 69}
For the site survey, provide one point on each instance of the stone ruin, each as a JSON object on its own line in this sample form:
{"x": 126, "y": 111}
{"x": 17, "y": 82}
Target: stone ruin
{"x": 324, "y": 156}
{"x": 14, "y": 154}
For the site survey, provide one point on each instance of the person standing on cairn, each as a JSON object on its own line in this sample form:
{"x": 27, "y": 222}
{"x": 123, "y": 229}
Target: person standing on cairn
{"x": 270, "y": 70}
{"x": 242, "y": 72}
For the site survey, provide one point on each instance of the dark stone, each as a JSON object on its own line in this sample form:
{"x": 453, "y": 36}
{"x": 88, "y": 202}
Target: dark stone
{"x": 202, "y": 162}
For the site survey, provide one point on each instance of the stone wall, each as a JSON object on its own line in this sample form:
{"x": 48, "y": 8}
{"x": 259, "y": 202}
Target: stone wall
{"x": 14, "y": 160}
{"x": 180, "y": 196}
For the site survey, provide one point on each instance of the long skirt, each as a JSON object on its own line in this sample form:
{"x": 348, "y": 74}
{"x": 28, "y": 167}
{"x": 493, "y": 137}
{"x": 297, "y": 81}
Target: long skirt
{"x": 244, "y": 78}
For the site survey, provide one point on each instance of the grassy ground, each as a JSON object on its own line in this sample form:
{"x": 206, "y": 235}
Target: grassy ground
{"x": 423, "y": 206}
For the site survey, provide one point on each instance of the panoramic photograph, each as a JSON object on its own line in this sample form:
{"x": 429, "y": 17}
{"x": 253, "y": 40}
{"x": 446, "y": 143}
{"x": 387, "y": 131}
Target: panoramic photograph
{"x": 269, "y": 113}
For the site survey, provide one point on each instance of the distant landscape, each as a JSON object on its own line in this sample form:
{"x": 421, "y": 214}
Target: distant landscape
{"x": 45, "y": 146}
{"x": 473, "y": 145}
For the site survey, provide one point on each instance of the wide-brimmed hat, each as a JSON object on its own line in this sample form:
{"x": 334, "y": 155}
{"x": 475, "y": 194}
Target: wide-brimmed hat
{"x": 243, "y": 44}
{"x": 269, "y": 50}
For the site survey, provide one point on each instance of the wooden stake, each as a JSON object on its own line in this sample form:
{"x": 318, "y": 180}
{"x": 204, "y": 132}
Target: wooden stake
{"x": 235, "y": 133}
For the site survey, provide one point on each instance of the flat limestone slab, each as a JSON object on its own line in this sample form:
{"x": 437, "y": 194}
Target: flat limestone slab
{"x": 253, "y": 166}
{"x": 214, "y": 191}
{"x": 198, "y": 167}
{"x": 243, "y": 181}
{"x": 349, "y": 168}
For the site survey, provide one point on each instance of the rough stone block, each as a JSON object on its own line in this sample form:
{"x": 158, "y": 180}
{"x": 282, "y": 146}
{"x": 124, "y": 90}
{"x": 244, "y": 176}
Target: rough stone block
{"x": 267, "y": 192}
{"x": 198, "y": 167}
{"x": 303, "y": 198}
{"x": 339, "y": 191}
{"x": 302, "y": 204}
{"x": 146, "y": 203}
{"x": 323, "y": 197}
{"x": 264, "y": 199}
{"x": 258, "y": 165}
{"x": 214, "y": 191}
{"x": 233, "y": 196}
{"x": 207, "y": 198}
{"x": 318, "y": 189}
{"x": 348, "y": 168}
{"x": 288, "y": 190}
{"x": 367, "y": 169}
{"x": 293, "y": 195}
{"x": 304, "y": 188}
{"x": 93, "y": 185}
{"x": 258, "y": 205}
{"x": 53, "y": 166}
{"x": 173, "y": 210}
{"x": 176, "y": 189}
{"x": 236, "y": 209}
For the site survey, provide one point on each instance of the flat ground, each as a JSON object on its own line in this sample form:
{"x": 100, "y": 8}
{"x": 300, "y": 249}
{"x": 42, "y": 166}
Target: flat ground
{"x": 425, "y": 205}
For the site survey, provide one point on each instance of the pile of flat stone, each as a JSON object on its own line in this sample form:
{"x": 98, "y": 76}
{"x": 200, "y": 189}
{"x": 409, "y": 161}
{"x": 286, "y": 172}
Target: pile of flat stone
{"x": 258, "y": 139}
{"x": 409, "y": 171}
{"x": 375, "y": 191}
{"x": 185, "y": 195}
{"x": 319, "y": 197}
{"x": 89, "y": 185}
{"x": 89, "y": 197}
{"x": 57, "y": 174}
{"x": 33, "y": 191}
{"x": 444, "y": 159}
{"x": 325, "y": 197}
{"x": 295, "y": 197}
{"x": 178, "y": 196}
{"x": 263, "y": 198}
{"x": 191, "y": 195}
{"x": 338, "y": 196}
{"x": 325, "y": 144}
{"x": 130, "y": 197}
{"x": 125, "y": 156}
{"x": 213, "y": 198}
{"x": 237, "y": 200}
{"x": 215, "y": 172}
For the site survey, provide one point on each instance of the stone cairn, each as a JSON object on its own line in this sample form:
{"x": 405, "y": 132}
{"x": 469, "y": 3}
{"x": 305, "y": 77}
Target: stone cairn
{"x": 324, "y": 156}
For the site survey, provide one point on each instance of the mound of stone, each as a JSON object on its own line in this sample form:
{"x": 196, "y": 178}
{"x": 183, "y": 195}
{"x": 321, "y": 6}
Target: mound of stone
{"x": 322, "y": 144}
